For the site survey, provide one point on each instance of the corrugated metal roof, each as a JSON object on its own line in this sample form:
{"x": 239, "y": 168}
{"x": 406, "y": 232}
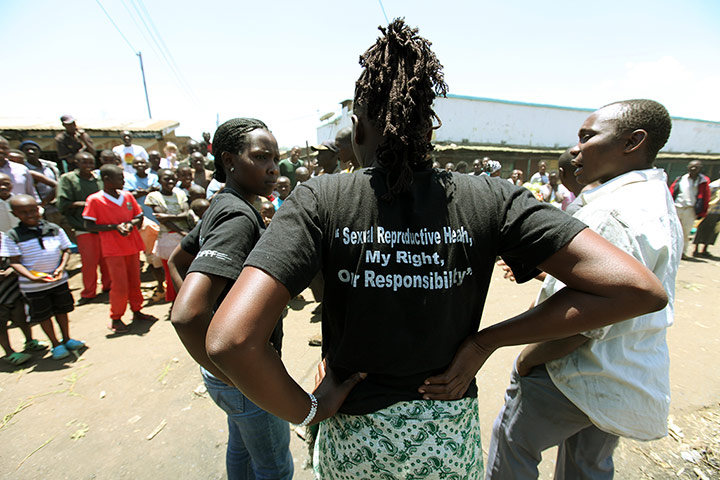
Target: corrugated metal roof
{"x": 37, "y": 124}
{"x": 513, "y": 149}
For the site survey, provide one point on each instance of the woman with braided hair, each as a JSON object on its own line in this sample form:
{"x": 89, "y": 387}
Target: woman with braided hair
{"x": 407, "y": 253}
{"x": 246, "y": 159}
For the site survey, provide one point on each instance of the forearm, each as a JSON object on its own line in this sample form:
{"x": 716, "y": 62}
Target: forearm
{"x": 192, "y": 330}
{"x": 91, "y": 226}
{"x": 22, "y": 270}
{"x": 567, "y": 312}
{"x": 178, "y": 265}
{"x": 165, "y": 217}
{"x": 238, "y": 343}
{"x": 137, "y": 221}
{"x": 191, "y": 315}
{"x": 63, "y": 261}
{"x": 541, "y": 353}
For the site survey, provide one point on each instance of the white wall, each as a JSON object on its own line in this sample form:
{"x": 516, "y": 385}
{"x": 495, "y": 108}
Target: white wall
{"x": 497, "y": 122}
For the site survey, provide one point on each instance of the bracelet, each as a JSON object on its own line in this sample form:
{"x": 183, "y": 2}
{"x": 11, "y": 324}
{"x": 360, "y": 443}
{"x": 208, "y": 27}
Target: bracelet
{"x": 313, "y": 411}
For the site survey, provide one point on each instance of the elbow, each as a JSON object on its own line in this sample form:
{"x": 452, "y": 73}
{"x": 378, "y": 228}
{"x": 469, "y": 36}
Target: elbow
{"x": 651, "y": 295}
{"x": 219, "y": 348}
{"x": 225, "y": 347}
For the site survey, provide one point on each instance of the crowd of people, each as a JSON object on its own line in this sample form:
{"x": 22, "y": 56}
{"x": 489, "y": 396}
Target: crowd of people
{"x": 398, "y": 252}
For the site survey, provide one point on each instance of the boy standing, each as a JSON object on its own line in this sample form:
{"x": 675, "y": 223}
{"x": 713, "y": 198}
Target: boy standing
{"x": 38, "y": 251}
{"x": 73, "y": 190}
{"x": 584, "y": 391}
{"x": 115, "y": 215}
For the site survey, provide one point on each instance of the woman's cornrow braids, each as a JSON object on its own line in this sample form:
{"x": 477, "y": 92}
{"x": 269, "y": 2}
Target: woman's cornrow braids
{"x": 231, "y": 137}
{"x": 396, "y": 89}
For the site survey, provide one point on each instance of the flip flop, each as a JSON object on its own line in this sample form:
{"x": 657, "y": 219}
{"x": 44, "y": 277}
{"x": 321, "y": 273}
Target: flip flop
{"x": 17, "y": 358}
{"x": 34, "y": 346}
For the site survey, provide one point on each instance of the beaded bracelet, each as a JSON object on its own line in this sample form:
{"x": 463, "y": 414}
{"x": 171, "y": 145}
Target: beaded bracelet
{"x": 313, "y": 411}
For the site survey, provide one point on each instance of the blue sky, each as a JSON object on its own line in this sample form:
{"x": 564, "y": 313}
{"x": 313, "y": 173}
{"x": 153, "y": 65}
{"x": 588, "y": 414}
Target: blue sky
{"x": 289, "y": 62}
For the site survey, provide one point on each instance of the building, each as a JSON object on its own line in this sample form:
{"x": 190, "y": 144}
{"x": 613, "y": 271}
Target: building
{"x": 520, "y": 134}
{"x": 151, "y": 134}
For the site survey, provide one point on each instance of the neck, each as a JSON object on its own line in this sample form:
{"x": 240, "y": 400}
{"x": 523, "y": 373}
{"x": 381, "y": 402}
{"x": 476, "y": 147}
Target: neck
{"x": 111, "y": 191}
{"x": 141, "y": 175}
{"x": 85, "y": 174}
{"x": 3, "y": 161}
{"x": 249, "y": 196}
{"x": 165, "y": 192}
{"x": 34, "y": 161}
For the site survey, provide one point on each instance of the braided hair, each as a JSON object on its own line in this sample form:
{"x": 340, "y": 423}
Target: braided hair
{"x": 396, "y": 89}
{"x": 231, "y": 137}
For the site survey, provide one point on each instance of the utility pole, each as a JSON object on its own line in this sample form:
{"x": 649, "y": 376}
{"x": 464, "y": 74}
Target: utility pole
{"x": 142, "y": 70}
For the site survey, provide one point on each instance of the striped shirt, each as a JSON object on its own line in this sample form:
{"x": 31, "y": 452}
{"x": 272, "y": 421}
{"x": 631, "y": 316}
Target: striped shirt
{"x": 39, "y": 248}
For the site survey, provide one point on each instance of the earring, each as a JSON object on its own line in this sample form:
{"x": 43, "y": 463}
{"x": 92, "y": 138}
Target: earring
{"x": 232, "y": 169}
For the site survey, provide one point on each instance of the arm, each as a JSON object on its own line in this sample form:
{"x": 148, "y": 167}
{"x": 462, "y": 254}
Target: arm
{"x": 57, "y": 274}
{"x": 541, "y": 353}
{"x": 122, "y": 228}
{"x": 604, "y": 286}
{"x": 40, "y": 178}
{"x": 178, "y": 265}
{"x": 191, "y": 315}
{"x": 239, "y": 337}
{"x": 22, "y": 270}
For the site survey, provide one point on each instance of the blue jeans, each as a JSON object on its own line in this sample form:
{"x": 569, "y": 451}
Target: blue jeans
{"x": 258, "y": 442}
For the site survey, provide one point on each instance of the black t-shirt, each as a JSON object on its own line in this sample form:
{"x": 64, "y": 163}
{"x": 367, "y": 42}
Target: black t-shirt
{"x": 228, "y": 232}
{"x": 190, "y": 243}
{"x": 405, "y": 281}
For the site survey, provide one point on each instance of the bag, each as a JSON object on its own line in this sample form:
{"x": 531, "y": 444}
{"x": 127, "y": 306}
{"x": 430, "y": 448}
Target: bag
{"x": 149, "y": 233}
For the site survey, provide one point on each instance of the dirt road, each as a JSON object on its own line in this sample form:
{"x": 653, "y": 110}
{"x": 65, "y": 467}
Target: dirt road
{"x": 129, "y": 406}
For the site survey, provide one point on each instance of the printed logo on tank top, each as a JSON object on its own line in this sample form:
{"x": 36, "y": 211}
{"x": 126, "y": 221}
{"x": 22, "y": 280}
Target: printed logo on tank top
{"x": 403, "y": 249}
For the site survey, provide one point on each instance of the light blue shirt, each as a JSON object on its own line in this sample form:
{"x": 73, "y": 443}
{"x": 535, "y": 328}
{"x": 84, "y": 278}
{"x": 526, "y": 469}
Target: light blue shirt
{"x": 133, "y": 182}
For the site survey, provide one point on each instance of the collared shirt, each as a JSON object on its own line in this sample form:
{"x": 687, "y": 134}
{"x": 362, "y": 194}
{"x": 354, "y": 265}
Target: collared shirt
{"x": 687, "y": 191}
{"x": 7, "y": 219}
{"x": 620, "y": 377}
{"x": 104, "y": 209}
{"x": 22, "y": 181}
{"x": 40, "y": 249}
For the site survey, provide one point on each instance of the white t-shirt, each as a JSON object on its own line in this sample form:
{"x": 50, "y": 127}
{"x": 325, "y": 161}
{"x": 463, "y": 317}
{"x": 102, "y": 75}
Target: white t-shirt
{"x": 128, "y": 155}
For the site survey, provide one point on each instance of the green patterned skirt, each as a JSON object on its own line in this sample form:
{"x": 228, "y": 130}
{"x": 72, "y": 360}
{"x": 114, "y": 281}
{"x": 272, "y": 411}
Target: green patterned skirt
{"x": 422, "y": 439}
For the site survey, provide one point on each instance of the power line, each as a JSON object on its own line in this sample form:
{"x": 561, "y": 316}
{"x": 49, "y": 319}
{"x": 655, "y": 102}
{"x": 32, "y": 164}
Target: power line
{"x": 162, "y": 42}
{"x": 383, "y": 10}
{"x": 165, "y": 52}
{"x": 138, "y": 53}
{"x": 116, "y": 27}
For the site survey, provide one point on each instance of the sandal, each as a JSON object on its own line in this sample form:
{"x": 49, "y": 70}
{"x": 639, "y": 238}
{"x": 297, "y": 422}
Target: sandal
{"x": 17, "y": 358}
{"x": 156, "y": 297}
{"x": 34, "y": 346}
{"x": 117, "y": 326}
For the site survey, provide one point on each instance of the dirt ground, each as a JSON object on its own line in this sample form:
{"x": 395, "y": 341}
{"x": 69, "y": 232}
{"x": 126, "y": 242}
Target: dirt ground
{"x": 129, "y": 405}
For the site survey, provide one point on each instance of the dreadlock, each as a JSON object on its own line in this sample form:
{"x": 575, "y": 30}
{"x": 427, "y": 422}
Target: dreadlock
{"x": 396, "y": 89}
{"x": 231, "y": 137}
{"x": 647, "y": 115}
